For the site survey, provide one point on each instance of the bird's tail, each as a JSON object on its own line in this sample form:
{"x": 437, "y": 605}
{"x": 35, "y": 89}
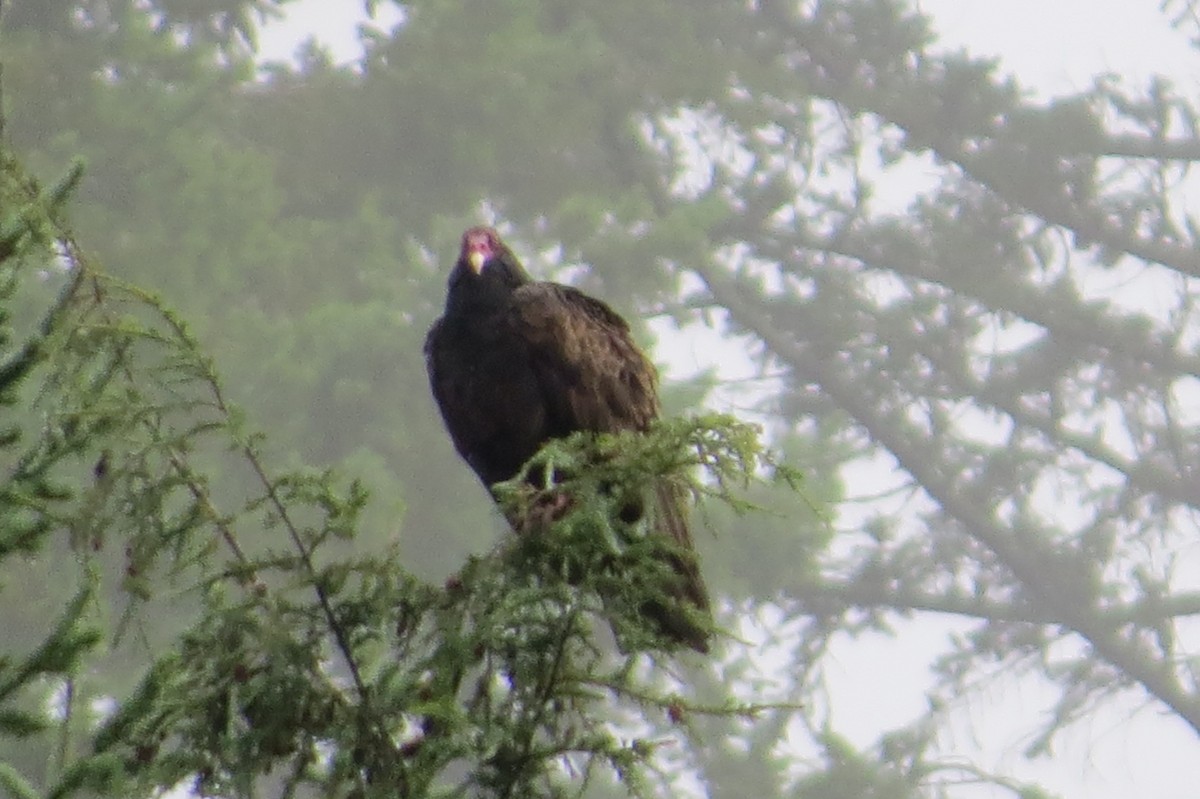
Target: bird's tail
{"x": 676, "y": 621}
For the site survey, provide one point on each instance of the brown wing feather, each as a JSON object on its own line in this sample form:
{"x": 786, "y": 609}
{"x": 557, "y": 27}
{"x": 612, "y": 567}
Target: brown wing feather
{"x": 593, "y": 375}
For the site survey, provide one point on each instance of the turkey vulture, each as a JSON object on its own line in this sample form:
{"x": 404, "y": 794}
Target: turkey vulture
{"x": 514, "y": 363}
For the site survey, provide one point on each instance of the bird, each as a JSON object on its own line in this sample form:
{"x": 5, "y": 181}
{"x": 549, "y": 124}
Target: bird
{"x": 514, "y": 363}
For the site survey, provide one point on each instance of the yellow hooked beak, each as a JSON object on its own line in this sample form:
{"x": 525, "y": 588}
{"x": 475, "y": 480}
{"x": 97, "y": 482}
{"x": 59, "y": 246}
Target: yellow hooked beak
{"x": 476, "y": 259}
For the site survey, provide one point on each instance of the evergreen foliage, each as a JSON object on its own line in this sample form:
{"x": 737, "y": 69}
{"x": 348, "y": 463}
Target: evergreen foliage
{"x": 987, "y": 381}
{"x": 301, "y": 667}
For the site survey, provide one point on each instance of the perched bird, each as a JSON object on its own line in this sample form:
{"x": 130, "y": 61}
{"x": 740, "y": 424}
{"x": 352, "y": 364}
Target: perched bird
{"x": 514, "y": 363}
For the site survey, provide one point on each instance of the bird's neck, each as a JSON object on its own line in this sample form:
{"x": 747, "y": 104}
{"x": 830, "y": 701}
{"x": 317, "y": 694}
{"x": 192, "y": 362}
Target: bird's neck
{"x": 472, "y": 295}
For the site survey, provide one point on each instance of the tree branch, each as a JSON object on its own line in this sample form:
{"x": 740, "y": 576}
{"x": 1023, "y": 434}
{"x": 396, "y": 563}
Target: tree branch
{"x": 1057, "y": 583}
{"x": 1130, "y": 146}
{"x": 919, "y": 103}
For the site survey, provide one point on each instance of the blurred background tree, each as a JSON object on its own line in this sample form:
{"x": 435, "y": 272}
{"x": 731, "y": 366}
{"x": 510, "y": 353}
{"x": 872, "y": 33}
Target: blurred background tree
{"x": 990, "y": 384}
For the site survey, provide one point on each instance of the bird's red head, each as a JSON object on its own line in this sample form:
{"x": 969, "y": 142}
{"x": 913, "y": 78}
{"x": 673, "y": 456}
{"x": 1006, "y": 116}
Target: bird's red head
{"x": 480, "y": 245}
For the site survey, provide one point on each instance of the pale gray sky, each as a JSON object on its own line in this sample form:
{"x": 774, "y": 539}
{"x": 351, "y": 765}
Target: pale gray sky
{"x": 1057, "y": 46}
{"x": 1054, "y": 47}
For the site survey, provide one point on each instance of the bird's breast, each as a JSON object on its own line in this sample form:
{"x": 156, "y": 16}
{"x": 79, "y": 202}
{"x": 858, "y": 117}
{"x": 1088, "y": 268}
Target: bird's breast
{"x": 491, "y": 400}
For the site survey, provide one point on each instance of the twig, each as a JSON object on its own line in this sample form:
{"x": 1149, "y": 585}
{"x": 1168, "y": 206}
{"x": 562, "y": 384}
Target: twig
{"x": 543, "y": 697}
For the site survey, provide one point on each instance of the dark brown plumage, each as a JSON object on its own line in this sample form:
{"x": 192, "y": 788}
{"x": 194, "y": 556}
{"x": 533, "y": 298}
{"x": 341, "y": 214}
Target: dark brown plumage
{"x": 514, "y": 363}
